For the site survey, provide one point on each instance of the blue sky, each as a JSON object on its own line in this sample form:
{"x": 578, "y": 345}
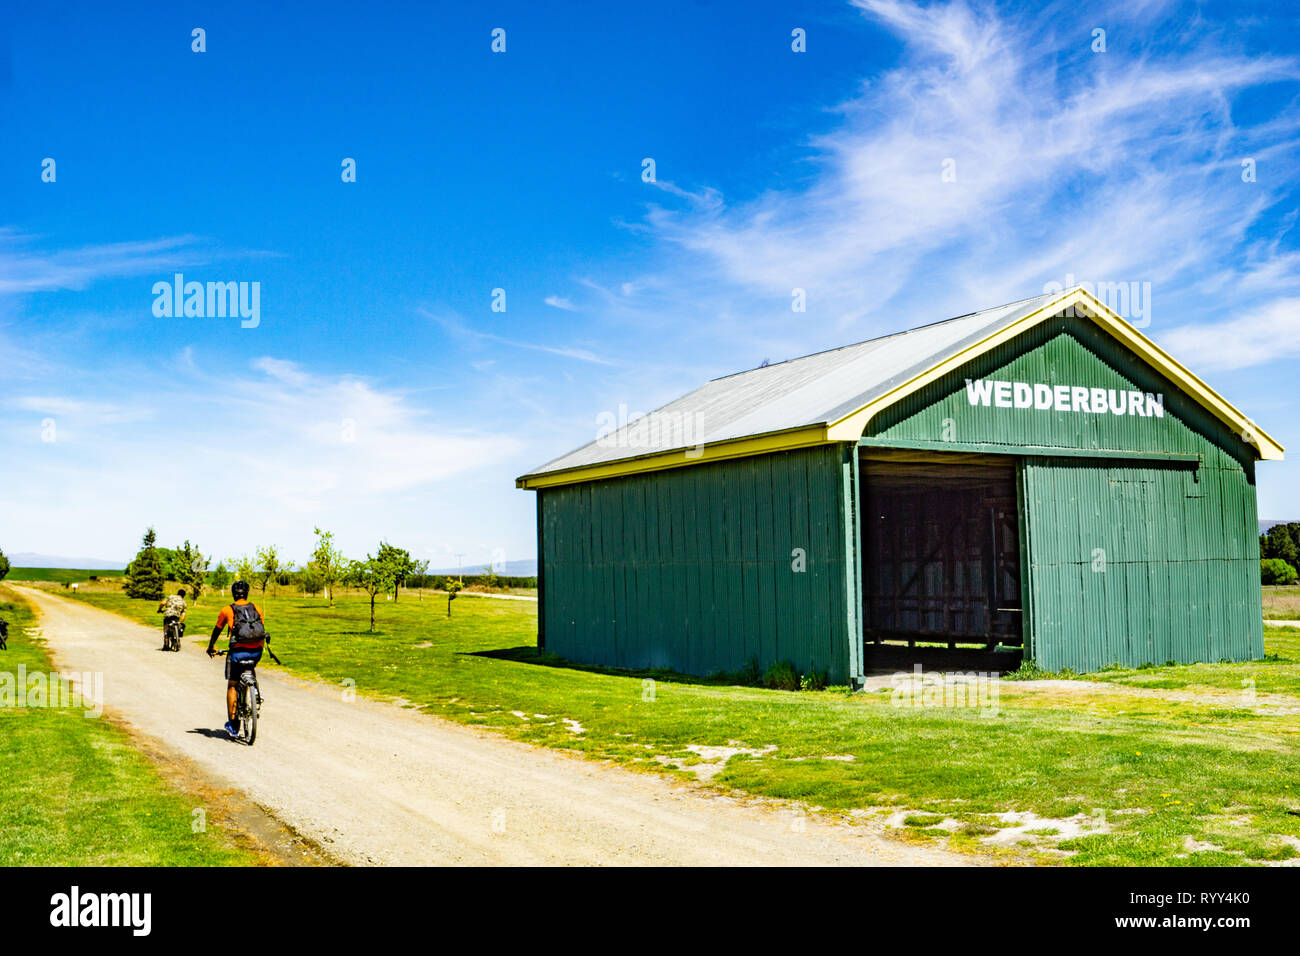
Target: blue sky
{"x": 381, "y": 396}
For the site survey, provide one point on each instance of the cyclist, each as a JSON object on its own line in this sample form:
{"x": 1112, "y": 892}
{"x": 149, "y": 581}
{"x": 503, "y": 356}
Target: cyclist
{"x": 172, "y": 608}
{"x": 247, "y": 635}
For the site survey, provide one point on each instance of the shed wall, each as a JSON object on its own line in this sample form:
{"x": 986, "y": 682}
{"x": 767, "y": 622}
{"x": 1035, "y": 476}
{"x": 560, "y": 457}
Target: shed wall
{"x": 691, "y": 569}
{"x": 1140, "y": 565}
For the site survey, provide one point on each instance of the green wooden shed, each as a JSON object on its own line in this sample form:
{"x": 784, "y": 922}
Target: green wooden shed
{"x": 1038, "y": 476}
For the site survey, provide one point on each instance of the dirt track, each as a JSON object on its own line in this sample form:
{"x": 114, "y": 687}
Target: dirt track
{"x": 375, "y": 784}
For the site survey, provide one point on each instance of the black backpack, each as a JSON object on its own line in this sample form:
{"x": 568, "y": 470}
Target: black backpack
{"x": 246, "y": 627}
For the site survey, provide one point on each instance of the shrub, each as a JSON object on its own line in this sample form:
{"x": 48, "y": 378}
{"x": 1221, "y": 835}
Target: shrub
{"x": 813, "y": 680}
{"x": 1277, "y": 571}
{"x": 781, "y": 676}
{"x": 309, "y": 582}
{"x": 748, "y": 676}
{"x": 1029, "y": 670}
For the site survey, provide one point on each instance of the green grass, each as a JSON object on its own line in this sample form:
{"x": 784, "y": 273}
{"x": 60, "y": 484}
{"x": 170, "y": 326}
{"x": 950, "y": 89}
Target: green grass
{"x": 1282, "y": 602}
{"x": 1279, "y": 673}
{"x": 58, "y": 575}
{"x": 76, "y": 793}
{"x": 1158, "y": 770}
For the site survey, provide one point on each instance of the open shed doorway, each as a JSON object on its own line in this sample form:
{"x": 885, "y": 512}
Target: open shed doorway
{"x": 941, "y": 564}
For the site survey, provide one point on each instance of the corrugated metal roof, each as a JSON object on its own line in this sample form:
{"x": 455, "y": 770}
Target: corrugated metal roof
{"x": 814, "y": 390}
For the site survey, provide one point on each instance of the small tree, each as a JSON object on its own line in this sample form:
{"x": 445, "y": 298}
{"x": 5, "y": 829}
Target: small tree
{"x": 420, "y": 572}
{"x": 373, "y": 576}
{"x": 1277, "y": 571}
{"x": 4, "y": 566}
{"x": 191, "y": 569}
{"x": 220, "y": 578}
{"x": 399, "y": 560}
{"x": 169, "y": 558}
{"x": 268, "y": 567}
{"x": 328, "y": 562}
{"x": 453, "y": 586}
{"x": 1281, "y": 541}
{"x": 245, "y": 570}
{"x": 309, "y": 581}
{"x": 144, "y": 575}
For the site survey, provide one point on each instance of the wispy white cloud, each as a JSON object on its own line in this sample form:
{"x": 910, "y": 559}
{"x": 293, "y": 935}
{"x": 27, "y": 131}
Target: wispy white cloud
{"x": 559, "y": 302}
{"x": 81, "y": 413}
{"x": 268, "y": 452}
{"x": 1266, "y": 334}
{"x": 1110, "y": 166}
{"x": 23, "y": 269}
{"x": 462, "y": 329}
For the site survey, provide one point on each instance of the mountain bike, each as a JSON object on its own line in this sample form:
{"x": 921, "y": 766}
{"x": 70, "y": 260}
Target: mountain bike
{"x": 248, "y": 698}
{"x": 173, "y": 631}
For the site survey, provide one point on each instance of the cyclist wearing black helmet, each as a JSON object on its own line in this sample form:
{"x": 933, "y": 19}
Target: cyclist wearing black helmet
{"x": 247, "y": 635}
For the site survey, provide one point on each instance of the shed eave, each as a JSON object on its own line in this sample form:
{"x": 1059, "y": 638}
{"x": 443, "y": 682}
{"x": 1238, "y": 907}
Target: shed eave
{"x": 784, "y": 440}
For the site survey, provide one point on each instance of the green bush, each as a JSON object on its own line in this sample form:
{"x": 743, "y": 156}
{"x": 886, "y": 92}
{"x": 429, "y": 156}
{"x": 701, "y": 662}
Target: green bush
{"x": 813, "y": 680}
{"x": 1277, "y": 571}
{"x": 781, "y": 676}
{"x": 748, "y": 676}
{"x": 309, "y": 581}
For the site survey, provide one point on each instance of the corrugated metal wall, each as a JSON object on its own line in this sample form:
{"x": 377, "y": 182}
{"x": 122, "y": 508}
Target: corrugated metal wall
{"x": 1139, "y": 563}
{"x": 1178, "y": 539}
{"x": 691, "y": 568}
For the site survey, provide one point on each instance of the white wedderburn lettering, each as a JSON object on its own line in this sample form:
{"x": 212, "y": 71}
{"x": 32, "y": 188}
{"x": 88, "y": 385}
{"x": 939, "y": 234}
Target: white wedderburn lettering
{"x": 1064, "y": 398}
{"x": 979, "y": 391}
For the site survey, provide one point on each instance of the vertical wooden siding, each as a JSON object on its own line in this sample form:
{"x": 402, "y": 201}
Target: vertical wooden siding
{"x": 1141, "y": 564}
{"x": 690, "y": 569}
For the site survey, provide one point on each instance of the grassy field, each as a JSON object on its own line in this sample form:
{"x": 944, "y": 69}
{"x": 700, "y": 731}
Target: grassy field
{"x": 1282, "y": 602}
{"x": 77, "y": 793}
{"x": 58, "y": 575}
{"x": 1169, "y": 765}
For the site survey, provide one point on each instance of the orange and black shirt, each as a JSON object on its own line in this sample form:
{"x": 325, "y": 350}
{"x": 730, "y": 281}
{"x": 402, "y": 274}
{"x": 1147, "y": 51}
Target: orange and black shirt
{"x": 227, "y": 617}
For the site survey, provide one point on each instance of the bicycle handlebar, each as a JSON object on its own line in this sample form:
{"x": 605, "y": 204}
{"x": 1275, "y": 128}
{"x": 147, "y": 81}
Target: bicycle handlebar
{"x": 268, "y": 651}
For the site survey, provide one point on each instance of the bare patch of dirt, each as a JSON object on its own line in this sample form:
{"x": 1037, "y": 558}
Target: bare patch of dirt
{"x": 712, "y": 760}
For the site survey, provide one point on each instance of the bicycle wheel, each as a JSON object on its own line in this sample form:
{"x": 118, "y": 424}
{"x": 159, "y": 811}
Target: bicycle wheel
{"x": 249, "y": 693}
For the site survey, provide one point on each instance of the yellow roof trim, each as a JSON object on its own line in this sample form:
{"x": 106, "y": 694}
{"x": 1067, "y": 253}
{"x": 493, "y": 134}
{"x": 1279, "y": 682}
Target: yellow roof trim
{"x": 717, "y": 451}
{"x": 852, "y": 426}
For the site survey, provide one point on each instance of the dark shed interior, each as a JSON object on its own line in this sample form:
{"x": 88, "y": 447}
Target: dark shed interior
{"x": 940, "y": 555}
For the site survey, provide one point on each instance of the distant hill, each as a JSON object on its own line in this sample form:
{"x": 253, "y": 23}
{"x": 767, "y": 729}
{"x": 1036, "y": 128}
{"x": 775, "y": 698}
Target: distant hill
{"x": 523, "y": 568}
{"x": 26, "y": 559}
